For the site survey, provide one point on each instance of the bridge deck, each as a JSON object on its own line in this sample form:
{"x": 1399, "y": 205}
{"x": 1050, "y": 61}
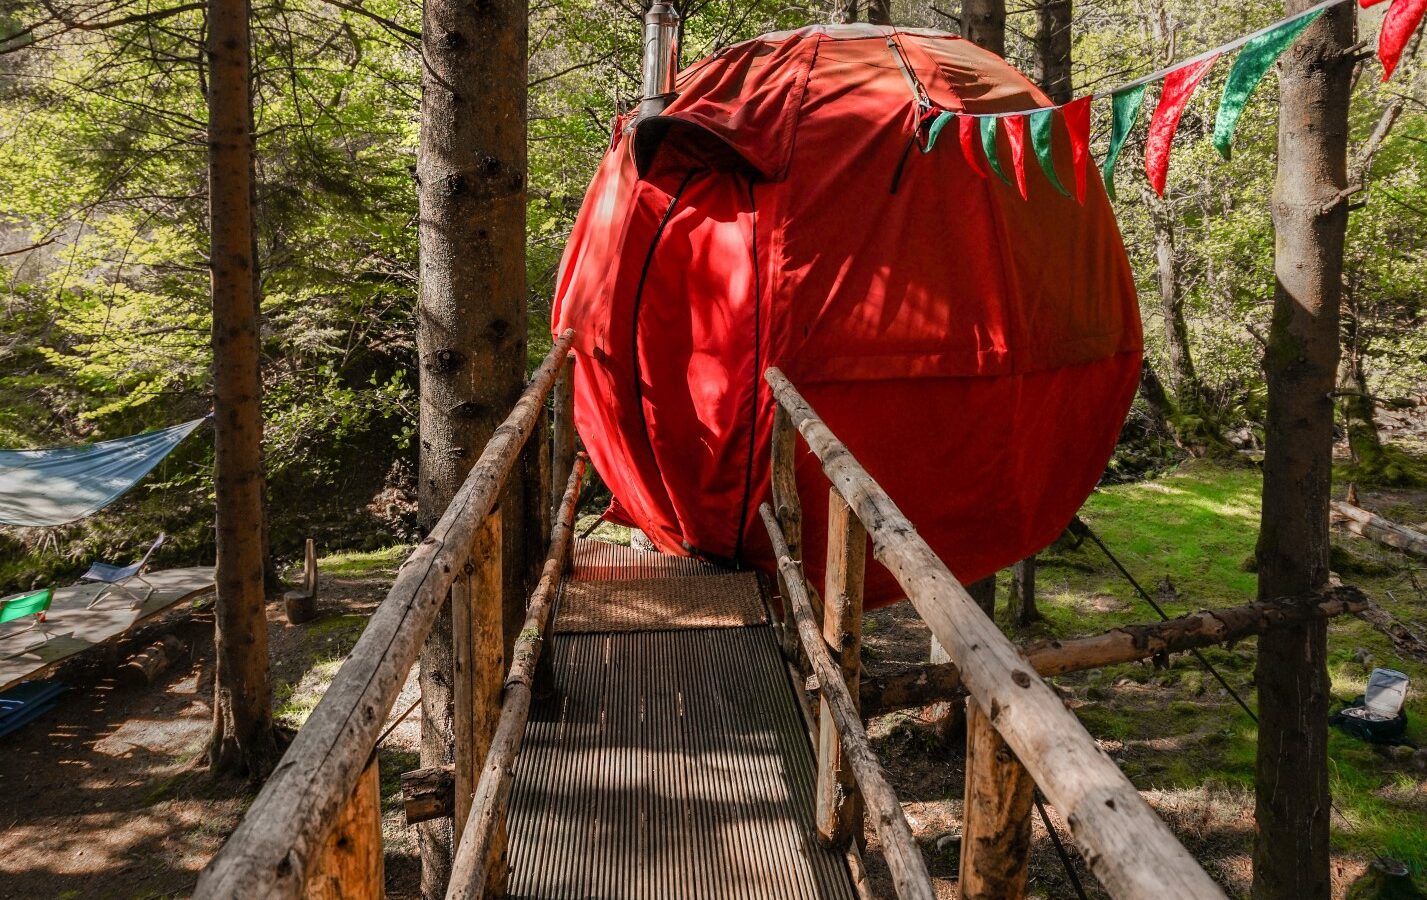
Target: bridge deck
{"x": 670, "y": 761}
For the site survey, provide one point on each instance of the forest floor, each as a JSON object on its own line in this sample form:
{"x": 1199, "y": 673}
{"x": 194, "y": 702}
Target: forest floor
{"x": 106, "y": 795}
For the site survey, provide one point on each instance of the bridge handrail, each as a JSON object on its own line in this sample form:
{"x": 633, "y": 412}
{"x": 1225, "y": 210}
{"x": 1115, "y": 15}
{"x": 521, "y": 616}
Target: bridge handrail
{"x": 273, "y": 848}
{"x": 1128, "y": 848}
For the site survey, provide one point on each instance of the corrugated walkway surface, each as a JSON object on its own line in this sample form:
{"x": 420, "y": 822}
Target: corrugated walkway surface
{"x": 668, "y": 764}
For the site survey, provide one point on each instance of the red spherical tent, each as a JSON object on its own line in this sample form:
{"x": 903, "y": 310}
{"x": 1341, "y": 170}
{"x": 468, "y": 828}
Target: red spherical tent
{"x": 976, "y": 351}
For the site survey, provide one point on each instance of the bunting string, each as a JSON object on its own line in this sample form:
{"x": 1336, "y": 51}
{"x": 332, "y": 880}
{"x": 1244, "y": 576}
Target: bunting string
{"x": 1258, "y": 50}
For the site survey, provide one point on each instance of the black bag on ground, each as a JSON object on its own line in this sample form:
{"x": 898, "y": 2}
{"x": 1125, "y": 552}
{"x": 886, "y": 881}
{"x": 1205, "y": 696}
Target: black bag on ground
{"x": 1377, "y": 716}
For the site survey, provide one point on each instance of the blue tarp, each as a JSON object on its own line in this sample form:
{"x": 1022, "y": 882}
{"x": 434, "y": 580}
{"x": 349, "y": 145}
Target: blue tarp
{"x": 59, "y": 486}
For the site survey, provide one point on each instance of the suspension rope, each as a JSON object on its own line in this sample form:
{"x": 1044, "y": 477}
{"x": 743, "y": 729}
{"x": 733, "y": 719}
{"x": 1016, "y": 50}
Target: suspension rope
{"x": 1078, "y": 527}
{"x": 1059, "y": 847}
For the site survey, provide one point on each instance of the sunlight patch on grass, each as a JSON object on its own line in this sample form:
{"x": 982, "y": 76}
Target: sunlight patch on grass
{"x": 364, "y": 564}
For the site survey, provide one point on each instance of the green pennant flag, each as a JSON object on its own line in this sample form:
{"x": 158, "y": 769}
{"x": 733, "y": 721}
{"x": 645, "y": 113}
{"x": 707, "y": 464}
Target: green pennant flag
{"x": 1125, "y": 108}
{"x": 1041, "y": 123}
{"x": 988, "y": 144}
{"x": 1249, "y": 69}
{"x": 934, "y": 132}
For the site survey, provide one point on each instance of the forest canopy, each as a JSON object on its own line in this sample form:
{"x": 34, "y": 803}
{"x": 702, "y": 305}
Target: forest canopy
{"x": 103, "y": 230}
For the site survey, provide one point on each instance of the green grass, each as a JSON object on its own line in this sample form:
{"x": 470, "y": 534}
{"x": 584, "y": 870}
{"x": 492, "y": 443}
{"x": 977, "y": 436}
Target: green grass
{"x": 363, "y": 564}
{"x": 1198, "y": 526}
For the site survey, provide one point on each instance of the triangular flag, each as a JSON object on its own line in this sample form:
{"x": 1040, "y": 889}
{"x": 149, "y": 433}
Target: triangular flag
{"x": 1366, "y": 3}
{"x": 1403, "y": 17}
{"x": 937, "y": 125}
{"x": 988, "y": 145}
{"x": 1042, "y": 121}
{"x": 969, "y": 139}
{"x": 1249, "y": 69}
{"x": 1125, "y": 109}
{"x": 1076, "y": 114}
{"x": 1016, "y": 137}
{"x": 1178, "y": 87}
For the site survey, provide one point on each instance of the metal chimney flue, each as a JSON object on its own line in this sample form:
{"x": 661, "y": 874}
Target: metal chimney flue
{"x": 661, "y": 57}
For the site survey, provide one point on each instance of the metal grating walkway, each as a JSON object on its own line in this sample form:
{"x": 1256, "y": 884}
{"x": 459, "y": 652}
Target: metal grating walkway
{"x": 668, "y": 764}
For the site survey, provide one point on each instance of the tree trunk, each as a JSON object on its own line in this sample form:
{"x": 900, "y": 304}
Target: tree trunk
{"x": 1053, "y": 47}
{"x": 242, "y": 741}
{"x": 844, "y": 12}
{"x": 1183, "y": 378}
{"x": 1021, "y": 599}
{"x": 983, "y": 23}
{"x": 1300, "y": 362}
{"x": 879, "y": 12}
{"x": 1161, "y": 408}
{"x": 1354, "y": 402}
{"x": 471, "y": 317}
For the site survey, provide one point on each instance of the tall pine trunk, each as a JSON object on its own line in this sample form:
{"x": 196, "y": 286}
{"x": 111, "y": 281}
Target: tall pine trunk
{"x": 983, "y": 23}
{"x": 1053, "y": 48}
{"x": 242, "y": 740}
{"x": 1300, "y": 361}
{"x": 471, "y": 316}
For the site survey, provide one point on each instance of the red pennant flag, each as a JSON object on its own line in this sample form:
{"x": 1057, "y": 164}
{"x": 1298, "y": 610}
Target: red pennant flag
{"x": 1178, "y": 87}
{"x": 1366, "y": 3}
{"x": 971, "y": 143}
{"x": 1077, "y": 123}
{"x": 1016, "y": 134}
{"x": 1403, "y": 17}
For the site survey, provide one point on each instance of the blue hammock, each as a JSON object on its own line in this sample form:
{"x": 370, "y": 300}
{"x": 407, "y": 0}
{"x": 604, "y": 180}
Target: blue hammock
{"x": 56, "y": 487}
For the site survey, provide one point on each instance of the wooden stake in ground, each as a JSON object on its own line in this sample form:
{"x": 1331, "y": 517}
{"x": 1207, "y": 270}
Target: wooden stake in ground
{"x": 242, "y": 740}
{"x": 1310, "y": 219}
{"x": 471, "y": 318}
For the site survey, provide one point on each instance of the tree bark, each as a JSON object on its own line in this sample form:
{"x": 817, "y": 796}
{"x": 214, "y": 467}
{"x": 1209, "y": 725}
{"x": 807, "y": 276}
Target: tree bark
{"x": 471, "y": 317}
{"x": 1021, "y": 599}
{"x": 879, "y": 12}
{"x": 242, "y": 741}
{"x": 983, "y": 23}
{"x": 1300, "y": 362}
{"x": 1053, "y": 48}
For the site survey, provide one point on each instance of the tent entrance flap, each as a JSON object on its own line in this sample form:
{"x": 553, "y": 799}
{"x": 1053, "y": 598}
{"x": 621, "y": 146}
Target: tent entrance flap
{"x": 63, "y": 485}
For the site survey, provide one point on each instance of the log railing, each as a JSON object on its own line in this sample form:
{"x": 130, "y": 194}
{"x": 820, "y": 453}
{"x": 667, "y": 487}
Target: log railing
{"x": 1019, "y": 732}
{"x": 284, "y": 846}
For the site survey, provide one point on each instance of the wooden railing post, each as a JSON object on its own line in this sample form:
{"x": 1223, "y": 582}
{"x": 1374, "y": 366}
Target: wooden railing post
{"x": 789, "y": 510}
{"x": 562, "y": 454}
{"x": 350, "y": 863}
{"x": 477, "y": 620}
{"x": 839, "y": 805}
{"x": 996, "y": 823}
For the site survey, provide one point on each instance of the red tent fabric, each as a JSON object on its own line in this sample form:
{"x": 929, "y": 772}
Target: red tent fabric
{"x": 976, "y": 351}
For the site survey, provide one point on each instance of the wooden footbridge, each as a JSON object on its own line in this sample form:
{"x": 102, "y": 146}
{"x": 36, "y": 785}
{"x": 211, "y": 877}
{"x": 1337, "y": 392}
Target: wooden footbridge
{"x": 647, "y": 733}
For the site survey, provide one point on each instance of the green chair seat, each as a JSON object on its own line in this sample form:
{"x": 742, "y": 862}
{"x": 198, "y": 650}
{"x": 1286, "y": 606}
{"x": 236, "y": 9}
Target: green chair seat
{"x": 34, "y": 603}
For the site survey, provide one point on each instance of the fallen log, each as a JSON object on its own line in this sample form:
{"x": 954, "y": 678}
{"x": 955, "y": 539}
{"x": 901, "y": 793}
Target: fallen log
{"x": 144, "y": 667}
{"x": 925, "y": 684}
{"x": 1375, "y": 528}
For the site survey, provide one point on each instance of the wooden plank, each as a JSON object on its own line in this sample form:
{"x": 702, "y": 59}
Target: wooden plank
{"x": 270, "y": 852}
{"x": 562, "y": 440}
{"x": 477, "y": 626}
{"x": 839, "y": 805}
{"x": 1128, "y": 848}
{"x": 480, "y": 852}
{"x": 996, "y": 824}
{"x": 788, "y": 507}
{"x": 350, "y": 864}
{"x": 921, "y": 685}
{"x": 899, "y": 847}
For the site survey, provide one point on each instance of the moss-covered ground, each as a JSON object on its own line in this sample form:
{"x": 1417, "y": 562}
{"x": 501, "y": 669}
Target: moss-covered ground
{"x": 1176, "y": 729}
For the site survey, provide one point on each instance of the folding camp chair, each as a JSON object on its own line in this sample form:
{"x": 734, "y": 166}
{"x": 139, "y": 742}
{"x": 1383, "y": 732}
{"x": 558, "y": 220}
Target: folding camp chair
{"x": 35, "y": 603}
{"x": 117, "y": 577}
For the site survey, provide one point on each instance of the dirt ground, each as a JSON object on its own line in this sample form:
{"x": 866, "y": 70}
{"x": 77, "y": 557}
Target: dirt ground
{"x": 107, "y": 795}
